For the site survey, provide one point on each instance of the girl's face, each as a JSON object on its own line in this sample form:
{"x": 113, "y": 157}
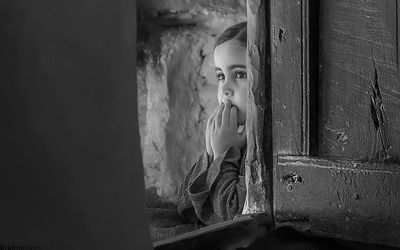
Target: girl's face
{"x": 230, "y": 66}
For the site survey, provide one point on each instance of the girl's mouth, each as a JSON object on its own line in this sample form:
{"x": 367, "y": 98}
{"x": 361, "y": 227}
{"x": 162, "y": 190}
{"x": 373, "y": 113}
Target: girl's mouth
{"x": 226, "y": 100}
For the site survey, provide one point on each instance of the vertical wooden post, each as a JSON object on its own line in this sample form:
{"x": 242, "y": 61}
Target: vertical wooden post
{"x": 258, "y": 124}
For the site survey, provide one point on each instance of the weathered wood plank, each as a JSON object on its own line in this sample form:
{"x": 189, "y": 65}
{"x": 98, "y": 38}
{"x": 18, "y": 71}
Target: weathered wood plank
{"x": 218, "y": 235}
{"x": 258, "y": 123}
{"x": 343, "y": 199}
{"x": 359, "y": 94}
{"x": 286, "y": 76}
{"x": 294, "y": 76}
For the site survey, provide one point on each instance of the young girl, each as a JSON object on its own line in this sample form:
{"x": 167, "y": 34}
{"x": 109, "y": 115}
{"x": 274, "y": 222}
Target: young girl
{"x": 214, "y": 188}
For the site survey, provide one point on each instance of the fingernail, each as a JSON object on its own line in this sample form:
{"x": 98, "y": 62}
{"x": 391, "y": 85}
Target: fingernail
{"x": 228, "y": 101}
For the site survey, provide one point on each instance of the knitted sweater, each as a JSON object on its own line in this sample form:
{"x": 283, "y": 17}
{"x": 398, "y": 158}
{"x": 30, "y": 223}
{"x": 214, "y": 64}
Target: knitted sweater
{"x": 213, "y": 191}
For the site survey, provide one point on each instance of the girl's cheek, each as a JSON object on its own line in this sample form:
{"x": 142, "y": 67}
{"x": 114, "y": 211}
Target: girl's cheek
{"x": 219, "y": 94}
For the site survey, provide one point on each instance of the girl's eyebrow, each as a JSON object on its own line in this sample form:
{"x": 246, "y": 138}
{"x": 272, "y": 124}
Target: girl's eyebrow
{"x": 232, "y": 67}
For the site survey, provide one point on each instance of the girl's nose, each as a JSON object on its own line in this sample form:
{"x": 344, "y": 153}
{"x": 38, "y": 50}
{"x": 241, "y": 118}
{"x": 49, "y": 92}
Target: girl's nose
{"x": 227, "y": 90}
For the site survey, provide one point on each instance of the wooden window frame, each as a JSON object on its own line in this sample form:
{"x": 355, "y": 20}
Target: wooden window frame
{"x": 325, "y": 197}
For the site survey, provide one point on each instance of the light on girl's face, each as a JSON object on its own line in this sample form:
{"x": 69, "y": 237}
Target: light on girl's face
{"x": 230, "y": 67}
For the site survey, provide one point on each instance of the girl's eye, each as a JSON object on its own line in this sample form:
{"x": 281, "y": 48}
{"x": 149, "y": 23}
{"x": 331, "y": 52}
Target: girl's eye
{"x": 220, "y": 77}
{"x": 240, "y": 75}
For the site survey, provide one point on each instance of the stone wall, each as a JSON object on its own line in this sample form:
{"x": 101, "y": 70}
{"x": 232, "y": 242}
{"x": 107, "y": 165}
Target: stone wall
{"x": 177, "y": 88}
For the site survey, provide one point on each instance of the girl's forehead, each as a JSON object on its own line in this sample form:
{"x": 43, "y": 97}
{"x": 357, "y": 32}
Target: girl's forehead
{"x": 230, "y": 52}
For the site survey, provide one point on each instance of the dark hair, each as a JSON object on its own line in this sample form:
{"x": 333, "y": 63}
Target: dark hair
{"x": 237, "y": 32}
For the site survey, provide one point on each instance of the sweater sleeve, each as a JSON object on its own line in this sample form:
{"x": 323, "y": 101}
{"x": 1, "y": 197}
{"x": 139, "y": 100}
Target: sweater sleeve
{"x": 185, "y": 206}
{"x": 217, "y": 193}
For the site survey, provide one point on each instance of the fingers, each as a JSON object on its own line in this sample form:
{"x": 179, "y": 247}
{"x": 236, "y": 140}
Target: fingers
{"x": 211, "y": 117}
{"x": 208, "y": 127}
{"x": 208, "y": 142}
{"x": 218, "y": 116}
{"x": 209, "y": 121}
{"x": 213, "y": 126}
{"x": 225, "y": 113}
{"x": 233, "y": 116}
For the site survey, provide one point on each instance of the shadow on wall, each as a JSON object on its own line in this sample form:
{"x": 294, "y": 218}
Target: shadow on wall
{"x": 177, "y": 87}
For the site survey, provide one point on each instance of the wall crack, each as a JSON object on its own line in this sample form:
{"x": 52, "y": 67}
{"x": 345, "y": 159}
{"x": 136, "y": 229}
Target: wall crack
{"x": 378, "y": 113}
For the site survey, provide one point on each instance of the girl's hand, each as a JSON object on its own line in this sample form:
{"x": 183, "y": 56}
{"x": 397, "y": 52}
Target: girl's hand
{"x": 208, "y": 132}
{"x": 224, "y": 130}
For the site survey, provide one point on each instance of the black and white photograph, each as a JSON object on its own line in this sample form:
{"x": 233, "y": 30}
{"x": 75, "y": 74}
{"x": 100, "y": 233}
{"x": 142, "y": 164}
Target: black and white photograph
{"x": 200, "y": 125}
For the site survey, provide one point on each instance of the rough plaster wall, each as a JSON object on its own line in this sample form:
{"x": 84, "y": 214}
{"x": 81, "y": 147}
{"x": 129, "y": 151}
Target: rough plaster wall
{"x": 177, "y": 87}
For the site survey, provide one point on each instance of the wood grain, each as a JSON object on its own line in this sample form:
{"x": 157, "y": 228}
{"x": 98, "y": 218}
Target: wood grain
{"x": 359, "y": 85}
{"x": 346, "y": 107}
{"x": 286, "y": 78}
{"x": 350, "y": 200}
